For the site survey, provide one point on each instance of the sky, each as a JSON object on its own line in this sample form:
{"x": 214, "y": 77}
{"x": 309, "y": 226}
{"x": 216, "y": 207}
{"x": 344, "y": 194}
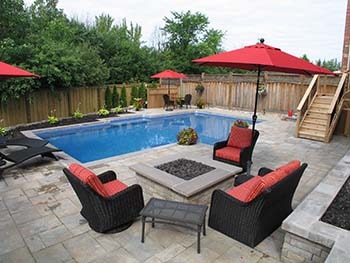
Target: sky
{"x": 311, "y": 27}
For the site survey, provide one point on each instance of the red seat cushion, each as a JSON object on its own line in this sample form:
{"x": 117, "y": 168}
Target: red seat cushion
{"x": 114, "y": 187}
{"x": 247, "y": 191}
{"x": 240, "y": 137}
{"x": 290, "y": 167}
{"x": 229, "y": 153}
{"x": 87, "y": 176}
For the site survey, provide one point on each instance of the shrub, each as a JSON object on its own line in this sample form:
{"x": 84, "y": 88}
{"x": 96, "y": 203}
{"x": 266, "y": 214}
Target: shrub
{"x": 143, "y": 92}
{"x": 103, "y": 112}
{"x": 115, "y": 97}
{"x": 52, "y": 119}
{"x": 77, "y": 114}
{"x": 123, "y": 101}
{"x": 187, "y": 136}
{"x": 200, "y": 103}
{"x": 108, "y": 98}
{"x": 134, "y": 94}
{"x": 138, "y": 103}
{"x": 3, "y": 131}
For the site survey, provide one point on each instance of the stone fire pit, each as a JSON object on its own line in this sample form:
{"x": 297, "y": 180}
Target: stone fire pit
{"x": 158, "y": 183}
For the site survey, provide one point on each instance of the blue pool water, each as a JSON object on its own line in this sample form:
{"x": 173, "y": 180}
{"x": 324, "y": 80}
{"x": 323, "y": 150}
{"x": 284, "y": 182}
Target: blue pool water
{"x": 98, "y": 141}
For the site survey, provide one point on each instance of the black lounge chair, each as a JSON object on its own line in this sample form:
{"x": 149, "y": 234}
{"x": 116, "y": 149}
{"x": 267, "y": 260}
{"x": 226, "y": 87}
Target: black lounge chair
{"x": 168, "y": 102}
{"x": 17, "y": 157}
{"x": 22, "y": 141}
{"x": 187, "y": 100}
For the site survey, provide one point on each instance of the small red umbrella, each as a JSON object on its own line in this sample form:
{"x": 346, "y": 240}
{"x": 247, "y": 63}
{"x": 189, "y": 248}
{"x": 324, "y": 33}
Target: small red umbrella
{"x": 8, "y": 71}
{"x": 169, "y": 74}
{"x": 261, "y": 57}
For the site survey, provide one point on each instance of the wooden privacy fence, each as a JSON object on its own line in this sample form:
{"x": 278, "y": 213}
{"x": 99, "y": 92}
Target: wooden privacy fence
{"x": 61, "y": 103}
{"x": 232, "y": 91}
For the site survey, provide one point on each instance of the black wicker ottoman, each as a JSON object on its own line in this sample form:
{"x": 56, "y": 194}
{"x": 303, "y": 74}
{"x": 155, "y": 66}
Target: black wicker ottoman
{"x": 175, "y": 213}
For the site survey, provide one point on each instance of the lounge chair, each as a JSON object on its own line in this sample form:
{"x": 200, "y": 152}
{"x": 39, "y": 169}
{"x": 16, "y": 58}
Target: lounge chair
{"x": 253, "y": 210}
{"x": 22, "y": 141}
{"x": 237, "y": 149}
{"x": 187, "y": 100}
{"x": 17, "y": 157}
{"x": 168, "y": 102}
{"x": 107, "y": 203}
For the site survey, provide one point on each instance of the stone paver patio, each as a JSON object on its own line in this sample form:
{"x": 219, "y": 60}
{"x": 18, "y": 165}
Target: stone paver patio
{"x": 40, "y": 219}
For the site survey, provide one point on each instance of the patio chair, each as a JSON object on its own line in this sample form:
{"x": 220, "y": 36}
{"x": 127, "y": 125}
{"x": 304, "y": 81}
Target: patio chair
{"x": 237, "y": 149}
{"x": 22, "y": 141}
{"x": 168, "y": 102}
{"x": 107, "y": 204}
{"x": 16, "y": 157}
{"x": 253, "y": 210}
{"x": 187, "y": 100}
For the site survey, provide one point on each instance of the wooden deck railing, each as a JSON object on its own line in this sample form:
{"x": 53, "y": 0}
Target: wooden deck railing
{"x": 306, "y": 102}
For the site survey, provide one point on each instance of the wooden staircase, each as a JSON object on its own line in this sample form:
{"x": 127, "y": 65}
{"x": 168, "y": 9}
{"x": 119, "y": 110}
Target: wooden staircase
{"x": 319, "y": 111}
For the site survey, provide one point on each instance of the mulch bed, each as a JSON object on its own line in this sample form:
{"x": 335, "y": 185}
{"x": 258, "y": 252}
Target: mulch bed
{"x": 338, "y": 213}
{"x": 16, "y": 130}
{"x": 185, "y": 169}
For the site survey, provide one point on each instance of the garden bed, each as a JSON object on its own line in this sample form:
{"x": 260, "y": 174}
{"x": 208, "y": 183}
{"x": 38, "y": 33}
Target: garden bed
{"x": 16, "y": 130}
{"x": 338, "y": 213}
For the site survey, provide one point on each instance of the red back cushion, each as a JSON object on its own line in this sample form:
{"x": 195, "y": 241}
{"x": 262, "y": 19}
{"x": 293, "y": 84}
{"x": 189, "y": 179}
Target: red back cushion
{"x": 240, "y": 137}
{"x": 229, "y": 153}
{"x": 247, "y": 191}
{"x": 114, "y": 187}
{"x": 280, "y": 173}
{"x": 87, "y": 176}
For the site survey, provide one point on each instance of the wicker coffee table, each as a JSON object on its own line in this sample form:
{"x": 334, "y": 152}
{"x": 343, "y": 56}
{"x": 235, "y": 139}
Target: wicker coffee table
{"x": 175, "y": 213}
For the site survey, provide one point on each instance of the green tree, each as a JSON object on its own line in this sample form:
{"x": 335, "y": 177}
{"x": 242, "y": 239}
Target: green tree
{"x": 115, "y": 97}
{"x": 332, "y": 64}
{"x": 189, "y": 37}
{"x": 123, "y": 99}
{"x": 142, "y": 92}
{"x": 108, "y": 99}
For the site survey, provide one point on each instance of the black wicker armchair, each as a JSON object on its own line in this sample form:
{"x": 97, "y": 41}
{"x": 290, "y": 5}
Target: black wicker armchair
{"x": 107, "y": 214}
{"x": 252, "y": 222}
{"x": 234, "y": 155}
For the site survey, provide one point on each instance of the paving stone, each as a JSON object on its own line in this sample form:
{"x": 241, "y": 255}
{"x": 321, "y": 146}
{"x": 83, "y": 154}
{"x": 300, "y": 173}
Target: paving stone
{"x": 10, "y": 239}
{"x": 53, "y": 254}
{"x": 84, "y": 248}
{"x": 42, "y": 199}
{"x": 5, "y": 220}
{"x": 26, "y": 215}
{"x": 240, "y": 253}
{"x": 120, "y": 255}
{"x": 63, "y": 208}
{"x": 55, "y": 235}
{"x": 18, "y": 204}
{"x": 39, "y": 225}
{"x": 108, "y": 243}
{"x": 20, "y": 255}
{"x": 170, "y": 252}
{"x": 190, "y": 255}
{"x": 34, "y": 243}
{"x": 75, "y": 223}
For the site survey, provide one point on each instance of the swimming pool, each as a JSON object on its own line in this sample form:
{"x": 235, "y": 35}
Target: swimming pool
{"x": 125, "y": 135}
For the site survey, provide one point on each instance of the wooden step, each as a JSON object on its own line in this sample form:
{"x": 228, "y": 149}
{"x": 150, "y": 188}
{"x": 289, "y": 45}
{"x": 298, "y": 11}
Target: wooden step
{"x": 320, "y": 105}
{"x": 318, "y": 110}
{"x": 312, "y": 132}
{"x": 312, "y": 137}
{"x": 317, "y": 115}
{"x": 313, "y": 127}
{"x": 316, "y": 121}
{"x": 324, "y": 98}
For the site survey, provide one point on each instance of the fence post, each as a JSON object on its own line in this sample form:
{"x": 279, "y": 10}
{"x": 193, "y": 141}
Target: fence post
{"x": 28, "y": 115}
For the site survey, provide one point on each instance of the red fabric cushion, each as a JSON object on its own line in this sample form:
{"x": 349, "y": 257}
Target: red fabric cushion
{"x": 247, "y": 191}
{"x": 114, "y": 187}
{"x": 88, "y": 177}
{"x": 240, "y": 137}
{"x": 290, "y": 167}
{"x": 271, "y": 178}
{"x": 229, "y": 153}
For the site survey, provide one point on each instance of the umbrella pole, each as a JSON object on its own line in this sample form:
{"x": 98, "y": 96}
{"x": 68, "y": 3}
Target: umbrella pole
{"x": 167, "y": 106}
{"x": 254, "y": 117}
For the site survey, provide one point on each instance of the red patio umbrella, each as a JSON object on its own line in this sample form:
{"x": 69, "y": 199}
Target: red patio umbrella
{"x": 169, "y": 74}
{"x": 8, "y": 71}
{"x": 261, "y": 57}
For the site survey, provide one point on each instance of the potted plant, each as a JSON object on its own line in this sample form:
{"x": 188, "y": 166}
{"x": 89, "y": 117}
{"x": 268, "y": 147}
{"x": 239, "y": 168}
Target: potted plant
{"x": 262, "y": 90}
{"x": 241, "y": 124}
{"x": 187, "y": 136}
{"x": 199, "y": 89}
{"x": 200, "y": 103}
